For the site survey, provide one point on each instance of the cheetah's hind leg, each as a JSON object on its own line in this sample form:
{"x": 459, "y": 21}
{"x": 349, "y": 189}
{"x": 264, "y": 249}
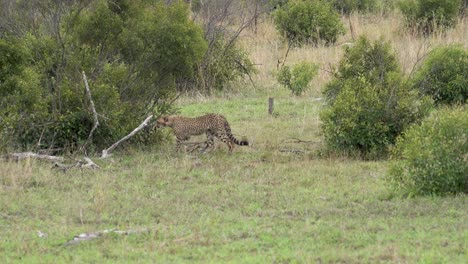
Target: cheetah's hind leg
{"x": 209, "y": 143}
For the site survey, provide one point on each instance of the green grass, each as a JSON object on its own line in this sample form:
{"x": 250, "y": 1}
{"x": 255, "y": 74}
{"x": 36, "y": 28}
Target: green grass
{"x": 257, "y": 205}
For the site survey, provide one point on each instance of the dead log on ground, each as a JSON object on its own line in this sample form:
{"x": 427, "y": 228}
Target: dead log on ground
{"x": 28, "y": 155}
{"x": 80, "y": 164}
{"x": 90, "y": 236}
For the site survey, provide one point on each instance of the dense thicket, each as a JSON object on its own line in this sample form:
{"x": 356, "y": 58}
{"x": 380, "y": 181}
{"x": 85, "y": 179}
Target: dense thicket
{"x": 132, "y": 51}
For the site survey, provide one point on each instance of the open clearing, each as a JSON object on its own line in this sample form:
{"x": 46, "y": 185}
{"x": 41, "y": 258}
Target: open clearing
{"x": 257, "y": 205}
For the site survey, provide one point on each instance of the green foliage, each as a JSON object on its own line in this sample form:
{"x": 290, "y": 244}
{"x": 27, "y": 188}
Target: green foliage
{"x": 304, "y": 21}
{"x": 373, "y": 62}
{"x": 132, "y": 52}
{"x": 426, "y": 16}
{"x": 297, "y": 79}
{"x": 349, "y": 6}
{"x": 431, "y": 158}
{"x": 368, "y": 103}
{"x": 275, "y": 4}
{"x": 22, "y": 100}
{"x": 444, "y": 75}
{"x": 224, "y": 63}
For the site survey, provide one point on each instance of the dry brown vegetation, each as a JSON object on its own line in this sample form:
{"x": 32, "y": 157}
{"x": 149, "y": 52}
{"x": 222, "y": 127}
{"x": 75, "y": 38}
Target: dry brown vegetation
{"x": 266, "y": 47}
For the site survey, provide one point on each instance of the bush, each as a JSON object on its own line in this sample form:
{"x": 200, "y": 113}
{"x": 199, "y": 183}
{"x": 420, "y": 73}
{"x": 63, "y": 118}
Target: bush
{"x": 368, "y": 103}
{"x": 305, "y": 21}
{"x": 432, "y": 158}
{"x": 428, "y": 15}
{"x": 22, "y": 102}
{"x": 349, "y": 6}
{"x": 223, "y": 64}
{"x": 444, "y": 75}
{"x": 373, "y": 62}
{"x": 299, "y": 78}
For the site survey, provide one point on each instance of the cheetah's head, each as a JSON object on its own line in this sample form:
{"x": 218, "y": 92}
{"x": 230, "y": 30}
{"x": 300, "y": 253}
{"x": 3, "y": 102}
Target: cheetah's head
{"x": 165, "y": 121}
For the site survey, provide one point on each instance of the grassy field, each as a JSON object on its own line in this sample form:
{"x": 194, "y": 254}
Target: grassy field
{"x": 275, "y": 201}
{"x": 257, "y": 205}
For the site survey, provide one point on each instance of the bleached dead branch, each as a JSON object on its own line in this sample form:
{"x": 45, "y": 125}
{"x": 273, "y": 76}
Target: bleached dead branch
{"x": 106, "y": 152}
{"x": 28, "y": 155}
{"x": 93, "y": 109}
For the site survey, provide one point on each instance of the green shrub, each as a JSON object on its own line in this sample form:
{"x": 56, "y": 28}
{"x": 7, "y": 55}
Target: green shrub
{"x": 444, "y": 75}
{"x": 374, "y": 62}
{"x": 224, "y": 63}
{"x": 349, "y": 6}
{"x": 297, "y": 79}
{"x": 22, "y": 102}
{"x": 368, "y": 103}
{"x": 428, "y": 15}
{"x": 432, "y": 158}
{"x": 305, "y": 21}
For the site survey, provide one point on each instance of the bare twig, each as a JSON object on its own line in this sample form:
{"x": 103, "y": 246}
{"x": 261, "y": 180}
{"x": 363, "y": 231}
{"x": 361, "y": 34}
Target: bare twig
{"x": 106, "y": 152}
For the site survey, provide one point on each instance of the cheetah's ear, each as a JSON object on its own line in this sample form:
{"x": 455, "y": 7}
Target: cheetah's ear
{"x": 166, "y": 119}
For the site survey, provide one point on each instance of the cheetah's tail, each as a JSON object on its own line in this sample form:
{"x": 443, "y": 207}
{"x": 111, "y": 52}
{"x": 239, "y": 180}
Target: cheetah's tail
{"x": 242, "y": 142}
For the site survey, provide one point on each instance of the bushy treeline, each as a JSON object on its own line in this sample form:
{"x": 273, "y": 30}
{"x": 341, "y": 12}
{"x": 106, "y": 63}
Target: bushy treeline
{"x": 132, "y": 52}
{"x": 136, "y": 55}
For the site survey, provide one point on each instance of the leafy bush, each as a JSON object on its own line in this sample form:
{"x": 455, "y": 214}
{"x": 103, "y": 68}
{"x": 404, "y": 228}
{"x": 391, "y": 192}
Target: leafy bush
{"x": 297, "y": 79}
{"x": 368, "y": 103}
{"x": 429, "y": 15}
{"x": 224, "y": 60}
{"x": 305, "y": 21}
{"x": 444, "y": 75}
{"x": 374, "y": 62}
{"x": 431, "y": 158}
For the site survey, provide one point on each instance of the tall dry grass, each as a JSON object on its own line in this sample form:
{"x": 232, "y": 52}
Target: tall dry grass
{"x": 266, "y": 47}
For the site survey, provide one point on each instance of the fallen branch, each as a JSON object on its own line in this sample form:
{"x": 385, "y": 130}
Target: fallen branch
{"x": 87, "y": 164}
{"x": 295, "y": 151}
{"x": 95, "y": 115}
{"x": 90, "y": 236}
{"x": 298, "y": 140}
{"x": 27, "y": 155}
{"x": 106, "y": 152}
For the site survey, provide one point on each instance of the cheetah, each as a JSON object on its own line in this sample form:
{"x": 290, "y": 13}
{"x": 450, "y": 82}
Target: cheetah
{"x": 213, "y": 125}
